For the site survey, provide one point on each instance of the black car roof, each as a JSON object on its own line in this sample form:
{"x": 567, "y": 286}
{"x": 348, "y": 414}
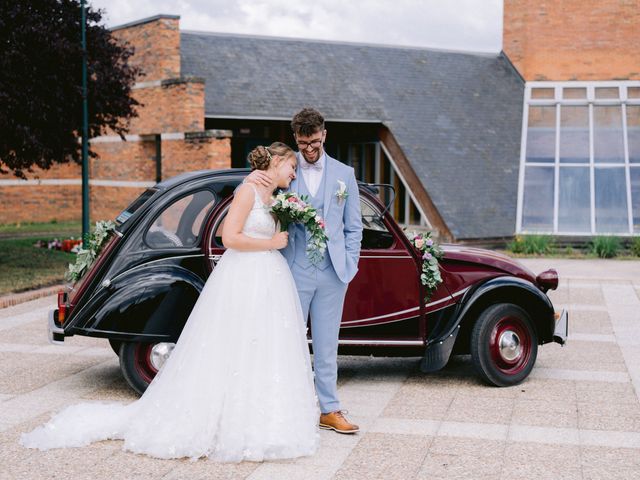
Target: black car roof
{"x": 227, "y": 173}
{"x": 200, "y": 174}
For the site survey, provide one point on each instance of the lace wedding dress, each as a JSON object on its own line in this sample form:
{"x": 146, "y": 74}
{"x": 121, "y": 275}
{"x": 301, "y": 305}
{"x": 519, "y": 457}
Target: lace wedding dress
{"x": 238, "y": 385}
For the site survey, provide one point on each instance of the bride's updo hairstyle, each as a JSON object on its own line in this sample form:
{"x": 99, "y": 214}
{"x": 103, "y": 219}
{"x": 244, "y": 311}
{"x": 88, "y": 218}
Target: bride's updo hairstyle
{"x": 260, "y": 157}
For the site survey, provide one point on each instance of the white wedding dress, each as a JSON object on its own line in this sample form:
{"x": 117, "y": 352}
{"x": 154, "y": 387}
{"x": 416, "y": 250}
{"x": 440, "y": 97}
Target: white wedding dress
{"x": 238, "y": 385}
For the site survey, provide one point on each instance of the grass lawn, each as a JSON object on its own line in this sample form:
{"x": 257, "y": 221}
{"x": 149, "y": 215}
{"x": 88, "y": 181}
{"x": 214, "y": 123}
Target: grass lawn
{"x": 25, "y": 267}
{"x": 41, "y": 230}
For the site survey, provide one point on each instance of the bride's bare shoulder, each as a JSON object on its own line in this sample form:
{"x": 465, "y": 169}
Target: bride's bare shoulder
{"x": 245, "y": 191}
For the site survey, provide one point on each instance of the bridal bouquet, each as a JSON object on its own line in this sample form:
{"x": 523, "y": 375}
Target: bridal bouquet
{"x": 290, "y": 208}
{"x": 431, "y": 253}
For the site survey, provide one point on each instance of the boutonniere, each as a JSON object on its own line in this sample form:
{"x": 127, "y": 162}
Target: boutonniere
{"x": 341, "y": 193}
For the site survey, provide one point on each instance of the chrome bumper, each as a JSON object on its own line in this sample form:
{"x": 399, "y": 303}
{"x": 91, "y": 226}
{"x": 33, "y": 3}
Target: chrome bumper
{"x": 561, "y": 331}
{"x": 56, "y": 334}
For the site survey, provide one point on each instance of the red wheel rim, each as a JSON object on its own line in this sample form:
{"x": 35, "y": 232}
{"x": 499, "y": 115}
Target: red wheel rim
{"x": 510, "y": 345}
{"x": 142, "y": 361}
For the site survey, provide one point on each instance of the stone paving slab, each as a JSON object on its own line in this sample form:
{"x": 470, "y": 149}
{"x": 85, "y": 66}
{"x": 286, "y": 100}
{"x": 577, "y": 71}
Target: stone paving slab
{"x": 576, "y": 416}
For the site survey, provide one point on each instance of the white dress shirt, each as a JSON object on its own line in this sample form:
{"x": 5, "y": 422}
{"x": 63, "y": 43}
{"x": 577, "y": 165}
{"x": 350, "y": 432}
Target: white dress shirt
{"x": 312, "y": 176}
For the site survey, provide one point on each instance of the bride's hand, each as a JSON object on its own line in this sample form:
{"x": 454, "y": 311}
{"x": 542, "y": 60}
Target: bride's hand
{"x": 280, "y": 240}
{"x": 258, "y": 177}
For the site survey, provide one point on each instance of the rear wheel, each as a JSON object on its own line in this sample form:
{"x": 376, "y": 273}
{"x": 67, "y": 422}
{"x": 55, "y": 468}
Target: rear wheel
{"x": 504, "y": 345}
{"x": 140, "y": 362}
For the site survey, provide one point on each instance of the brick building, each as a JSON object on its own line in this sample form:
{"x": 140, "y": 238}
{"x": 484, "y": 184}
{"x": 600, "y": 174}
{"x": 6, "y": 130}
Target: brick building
{"x": 543, "y": 137}
{"x": 167, "y": 138}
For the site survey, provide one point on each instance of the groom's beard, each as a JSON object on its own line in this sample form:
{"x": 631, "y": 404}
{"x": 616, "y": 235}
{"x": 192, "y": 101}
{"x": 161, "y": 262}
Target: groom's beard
{"x": 313, "y": 156}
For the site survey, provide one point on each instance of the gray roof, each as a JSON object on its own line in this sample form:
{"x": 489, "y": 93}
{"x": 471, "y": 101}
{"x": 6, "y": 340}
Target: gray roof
{"x": 457, "y": 116}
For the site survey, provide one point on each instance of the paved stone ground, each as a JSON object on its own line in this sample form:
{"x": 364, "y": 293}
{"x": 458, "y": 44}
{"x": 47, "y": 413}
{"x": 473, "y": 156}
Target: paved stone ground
{"x": 577, "y": 416}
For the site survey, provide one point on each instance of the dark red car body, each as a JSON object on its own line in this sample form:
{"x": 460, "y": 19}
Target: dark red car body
{"x": 140, "y": 291}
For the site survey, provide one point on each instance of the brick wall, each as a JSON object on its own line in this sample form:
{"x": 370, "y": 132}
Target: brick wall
{"x": 198, "y": 151}
{"x": 173, "y": 107}
{"x": 573, "y": 39}
{"x": 157, "y": 46}
{"x": 176, "y": 105}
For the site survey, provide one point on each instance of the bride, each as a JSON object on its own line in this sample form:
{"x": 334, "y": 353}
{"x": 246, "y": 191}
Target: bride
{"x": 238, "y": 385}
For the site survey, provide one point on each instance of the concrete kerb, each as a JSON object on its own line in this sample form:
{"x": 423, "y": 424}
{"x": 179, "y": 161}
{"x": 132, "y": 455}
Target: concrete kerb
{"x": 12, "y": 299}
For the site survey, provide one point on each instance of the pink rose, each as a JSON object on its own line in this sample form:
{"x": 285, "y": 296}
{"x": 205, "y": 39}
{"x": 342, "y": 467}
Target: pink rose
{"x": 419, "y": 242}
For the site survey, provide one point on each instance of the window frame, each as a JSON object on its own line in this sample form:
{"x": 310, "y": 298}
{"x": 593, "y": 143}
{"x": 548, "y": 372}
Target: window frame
{"x": 169, "y": 204}
{"x": 590, "y": 101}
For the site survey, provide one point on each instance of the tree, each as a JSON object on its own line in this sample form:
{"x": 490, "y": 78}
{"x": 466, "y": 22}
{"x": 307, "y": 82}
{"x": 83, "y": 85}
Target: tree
{"x": 41, "y": 83}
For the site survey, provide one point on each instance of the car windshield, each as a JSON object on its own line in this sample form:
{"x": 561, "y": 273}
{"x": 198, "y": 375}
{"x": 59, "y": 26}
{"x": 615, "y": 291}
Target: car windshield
{"x": 135, "y": 205}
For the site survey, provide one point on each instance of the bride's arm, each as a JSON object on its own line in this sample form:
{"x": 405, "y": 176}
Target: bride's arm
{"x": 232, "y": 236}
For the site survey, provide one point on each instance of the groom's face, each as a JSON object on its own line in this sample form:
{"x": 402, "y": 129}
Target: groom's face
{"x": 311, "y": 146}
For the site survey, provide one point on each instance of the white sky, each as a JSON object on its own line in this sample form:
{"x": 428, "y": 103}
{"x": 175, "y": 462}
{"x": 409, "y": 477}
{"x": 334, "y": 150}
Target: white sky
{"x": 471, "y": 25}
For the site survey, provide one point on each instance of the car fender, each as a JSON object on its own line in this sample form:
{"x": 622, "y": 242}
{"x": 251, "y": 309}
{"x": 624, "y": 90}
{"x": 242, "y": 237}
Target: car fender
{"x": 501, "y": 289}
{"x": 148, "y": 304}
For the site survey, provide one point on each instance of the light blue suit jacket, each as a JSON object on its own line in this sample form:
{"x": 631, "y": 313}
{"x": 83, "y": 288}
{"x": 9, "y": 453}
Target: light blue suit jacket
{"x": 342, "y": 218}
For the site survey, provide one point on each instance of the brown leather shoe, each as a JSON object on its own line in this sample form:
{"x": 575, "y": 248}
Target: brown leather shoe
{"x": 337, "y": 421}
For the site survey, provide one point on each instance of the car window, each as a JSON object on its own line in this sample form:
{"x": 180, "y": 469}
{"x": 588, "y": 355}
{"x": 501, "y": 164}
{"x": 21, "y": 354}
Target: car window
{"x": 135, "y": 205}
{"x": 374, "y": 232}
{"x": 218, "y": 226}
{"x": 180, "y": 223}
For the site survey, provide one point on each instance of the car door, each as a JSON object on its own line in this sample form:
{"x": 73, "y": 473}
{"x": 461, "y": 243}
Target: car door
{"x": 383, "y": 300}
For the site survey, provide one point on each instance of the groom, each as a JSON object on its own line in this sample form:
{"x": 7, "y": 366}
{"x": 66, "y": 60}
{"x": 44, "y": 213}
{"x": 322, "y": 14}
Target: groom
{"x": 332, "y": 189}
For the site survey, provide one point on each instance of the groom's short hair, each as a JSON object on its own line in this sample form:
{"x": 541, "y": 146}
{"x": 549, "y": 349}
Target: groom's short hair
{"x": 307, "y": 122}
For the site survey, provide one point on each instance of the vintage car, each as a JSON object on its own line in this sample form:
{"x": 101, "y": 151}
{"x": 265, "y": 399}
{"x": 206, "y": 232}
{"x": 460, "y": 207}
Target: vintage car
{"x": 140, "y": 290}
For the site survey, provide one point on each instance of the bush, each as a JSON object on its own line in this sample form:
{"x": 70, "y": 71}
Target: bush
{"x": 532, "y": 244}
{"x": 605, "y": 246}
{"x": 635, "y": 246}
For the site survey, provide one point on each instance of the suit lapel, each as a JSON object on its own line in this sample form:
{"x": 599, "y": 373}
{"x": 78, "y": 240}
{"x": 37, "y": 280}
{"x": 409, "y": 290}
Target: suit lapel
{"x": 329, "y": 185}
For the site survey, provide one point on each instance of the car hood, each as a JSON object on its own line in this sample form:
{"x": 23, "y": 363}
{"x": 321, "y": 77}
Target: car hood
{"x": 488, "y": 258}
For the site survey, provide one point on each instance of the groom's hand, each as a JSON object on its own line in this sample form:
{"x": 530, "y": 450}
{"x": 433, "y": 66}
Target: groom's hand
{"x": 258, "y": 177}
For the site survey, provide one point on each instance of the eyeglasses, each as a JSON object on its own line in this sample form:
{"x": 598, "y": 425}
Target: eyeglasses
{"x": 313, "y": 144}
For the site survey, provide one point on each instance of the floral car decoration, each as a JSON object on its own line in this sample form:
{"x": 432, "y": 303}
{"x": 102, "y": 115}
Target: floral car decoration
{"x": 290, "y": 208}
{"x": 87, "y": 256}
{"x": 430, "y": 253}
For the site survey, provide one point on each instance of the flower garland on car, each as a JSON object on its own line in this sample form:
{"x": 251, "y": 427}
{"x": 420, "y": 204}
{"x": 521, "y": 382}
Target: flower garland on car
{"x": 430, "y": 253}
{"x": 87, "y": 256}
{"x": 290, "y": 208}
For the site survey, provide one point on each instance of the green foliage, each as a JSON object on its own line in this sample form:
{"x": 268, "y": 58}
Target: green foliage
{"x": 40, "y": 82}
{"x": 532, "y": 244}
{"x": 635, "y": 246}
{"x": 86, "y": 257}
{"x": 605, "y": 246}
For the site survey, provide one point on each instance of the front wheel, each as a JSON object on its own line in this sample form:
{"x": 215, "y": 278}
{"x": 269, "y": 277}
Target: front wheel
{"x": 504, "y": 345}
{"x": 140, "y": 362}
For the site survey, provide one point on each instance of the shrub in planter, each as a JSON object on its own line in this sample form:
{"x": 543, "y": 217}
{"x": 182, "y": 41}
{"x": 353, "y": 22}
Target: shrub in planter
{"x": 605, "y": 246}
